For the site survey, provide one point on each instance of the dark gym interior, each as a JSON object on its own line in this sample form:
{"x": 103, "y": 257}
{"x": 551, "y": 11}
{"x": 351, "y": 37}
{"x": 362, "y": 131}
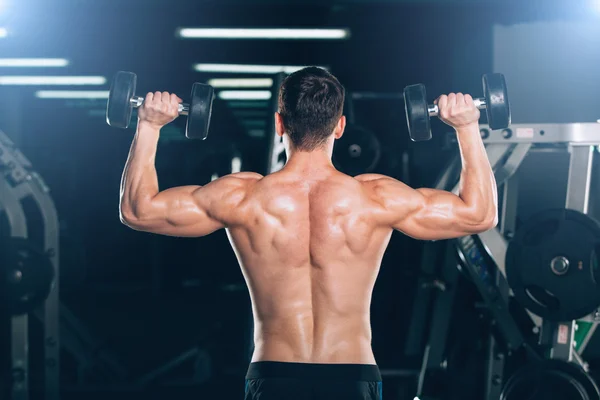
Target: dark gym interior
{"x": 132, "y": 315}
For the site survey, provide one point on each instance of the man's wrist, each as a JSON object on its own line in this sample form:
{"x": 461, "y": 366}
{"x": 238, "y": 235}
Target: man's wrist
{"x": 148, "y": 128}
{"x": 468, "y": 129}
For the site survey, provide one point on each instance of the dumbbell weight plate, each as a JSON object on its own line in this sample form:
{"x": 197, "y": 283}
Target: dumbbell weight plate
{"x": 26, "y": 275}
{"x": 200, "y": 112}
{"x": 535, "y": 264}
{"x": 119, "y": 109}
{"x": 496, "y": 98}
{"x": 550, "y": 379}
{"x": 357, "y": 152}
{"x": 417, "y": 114}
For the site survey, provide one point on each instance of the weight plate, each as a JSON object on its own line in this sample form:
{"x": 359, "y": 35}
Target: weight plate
{"x": 357, "y": 151}
{"x": 417, "y": 114}
{"x": 200, "y": 112}
{"x": 27, "y": 275}
{"x": 118, "y": 108}
{"x": 496, "y": 99}
{"x": 552, "y": 265}
{"x": 550, "y": 380}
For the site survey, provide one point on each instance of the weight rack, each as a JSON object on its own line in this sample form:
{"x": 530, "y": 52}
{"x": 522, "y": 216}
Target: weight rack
{"x": 21, "y": 182}
{"x": 18, "y": 182}
{"x": 483, "y": 255}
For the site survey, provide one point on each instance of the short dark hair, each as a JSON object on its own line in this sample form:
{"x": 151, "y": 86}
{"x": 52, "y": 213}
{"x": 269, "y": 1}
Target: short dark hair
{"x": 311, "y": 102}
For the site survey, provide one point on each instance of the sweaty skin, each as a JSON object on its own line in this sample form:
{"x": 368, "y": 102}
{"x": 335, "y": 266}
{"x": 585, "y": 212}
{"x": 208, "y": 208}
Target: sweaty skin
{"x": 308, "y": 238}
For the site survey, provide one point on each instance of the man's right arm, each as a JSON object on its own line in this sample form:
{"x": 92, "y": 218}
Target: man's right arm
{"x": 431, "y": 214}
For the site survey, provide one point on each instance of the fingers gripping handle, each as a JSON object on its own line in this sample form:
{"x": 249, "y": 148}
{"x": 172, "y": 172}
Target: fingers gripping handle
{"x": 182, "y": 109}
{"x": 434, "y": 110}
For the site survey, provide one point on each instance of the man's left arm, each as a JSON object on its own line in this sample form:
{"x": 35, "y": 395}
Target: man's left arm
{"x": 187, "y": 211}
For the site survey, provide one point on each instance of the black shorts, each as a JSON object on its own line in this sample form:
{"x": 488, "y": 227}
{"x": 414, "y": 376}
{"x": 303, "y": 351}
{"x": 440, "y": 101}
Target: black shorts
{"x": 268, "y": 380}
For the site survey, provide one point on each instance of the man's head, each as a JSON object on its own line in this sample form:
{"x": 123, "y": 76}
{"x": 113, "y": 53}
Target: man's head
{"x": 311, "y": 103}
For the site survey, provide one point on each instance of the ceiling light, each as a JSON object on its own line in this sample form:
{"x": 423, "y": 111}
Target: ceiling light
{"x": 247, "y": 69}
{"x": 72, "y": 94}
{"x": 263, "y": 33}
{"x": 241, "y": 83}
{"x": 52, "y": 80}
{"x": 245, "y": 95}
{"x": 33, "y": 62}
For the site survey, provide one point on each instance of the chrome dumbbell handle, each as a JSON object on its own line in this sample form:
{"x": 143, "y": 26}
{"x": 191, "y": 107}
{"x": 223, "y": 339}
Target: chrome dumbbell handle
{"x": 434, "y": 110}
{"x": 136, "y": 102}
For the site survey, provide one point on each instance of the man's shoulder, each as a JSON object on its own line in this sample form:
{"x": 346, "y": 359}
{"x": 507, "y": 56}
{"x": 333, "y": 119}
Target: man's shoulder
{"x": 251, "y": 176}
{"x": 373, "y": 178}
{"x": 235, "y": 185}
{"x": 382, "y": 187}
{"x": 242, "y": 178}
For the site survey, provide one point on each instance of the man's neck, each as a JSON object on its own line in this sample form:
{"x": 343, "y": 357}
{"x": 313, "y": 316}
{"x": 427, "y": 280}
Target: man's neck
{"x": 308, "y": 160}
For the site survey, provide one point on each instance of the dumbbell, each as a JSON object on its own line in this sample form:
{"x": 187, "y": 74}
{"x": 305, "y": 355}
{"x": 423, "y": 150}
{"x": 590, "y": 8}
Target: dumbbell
{"x": 494, "y": 101}
{"x": 122, "y": 100}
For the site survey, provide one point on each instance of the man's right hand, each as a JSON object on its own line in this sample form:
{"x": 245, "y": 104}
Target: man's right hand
{"x": 457, "y": 110}
{"x": 159, "y": 109}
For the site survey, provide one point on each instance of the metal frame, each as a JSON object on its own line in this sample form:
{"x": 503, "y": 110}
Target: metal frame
{"x": 584, "y": 134}
{"x": 506, "y": 150}
{"x": 494, "y": 368}
{"x": 578, "y": 196}
{"x": 20, "y": 182}
{"x": 580, "y": 140}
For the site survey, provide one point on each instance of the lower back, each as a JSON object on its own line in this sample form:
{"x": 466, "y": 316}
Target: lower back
{"x": 306, "y": 339}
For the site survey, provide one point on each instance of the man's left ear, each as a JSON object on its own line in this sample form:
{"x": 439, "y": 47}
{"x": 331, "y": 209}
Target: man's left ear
{"x": 341, "y": 126}
{"x": 279, "y": 128}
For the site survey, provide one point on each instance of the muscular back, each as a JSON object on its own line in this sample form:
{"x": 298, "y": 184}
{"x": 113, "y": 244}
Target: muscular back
{"x": 308, "y": 238}
{"x": 310, "y": 251}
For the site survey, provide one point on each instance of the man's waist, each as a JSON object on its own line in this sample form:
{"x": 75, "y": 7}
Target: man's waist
{"x": 289, "y": 370}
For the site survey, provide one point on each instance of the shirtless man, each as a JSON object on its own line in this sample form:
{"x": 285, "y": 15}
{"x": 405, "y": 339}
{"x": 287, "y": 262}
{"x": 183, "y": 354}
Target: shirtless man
{"x": 310, "y": 239}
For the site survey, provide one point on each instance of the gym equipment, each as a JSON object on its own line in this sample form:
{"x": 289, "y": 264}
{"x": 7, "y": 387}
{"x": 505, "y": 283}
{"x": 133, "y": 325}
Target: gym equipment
{"x": 552, "y": 265}
{"x": 122, "y": 100}
{"x": 538, "y": 337}
{"x": 27, "y": 275}
{"x": 550, "y": 379}
{"x": 495, "y": 102}
{"x": 358, "y": 151}
{"x": 26, "y": 201}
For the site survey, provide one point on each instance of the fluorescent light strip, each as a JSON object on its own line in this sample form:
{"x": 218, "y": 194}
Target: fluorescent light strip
{"x": 72, "y": 94}
{"x": 263, "y": 33}
{"x": 33, "y": 62}
{"x": 248, "y": 69}
{"x": 256, "y": 132}
{"x": 245, "y": 95}
{"x": 236, "y": 164}
{"x": 241, "y": 83}
{"x": 52, "y": 80}
{"x": 3, "y": 32}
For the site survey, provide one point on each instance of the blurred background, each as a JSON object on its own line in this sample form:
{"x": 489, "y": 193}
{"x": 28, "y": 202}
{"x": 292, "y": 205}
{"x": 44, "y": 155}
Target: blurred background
{"x": 171, "y": 317}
